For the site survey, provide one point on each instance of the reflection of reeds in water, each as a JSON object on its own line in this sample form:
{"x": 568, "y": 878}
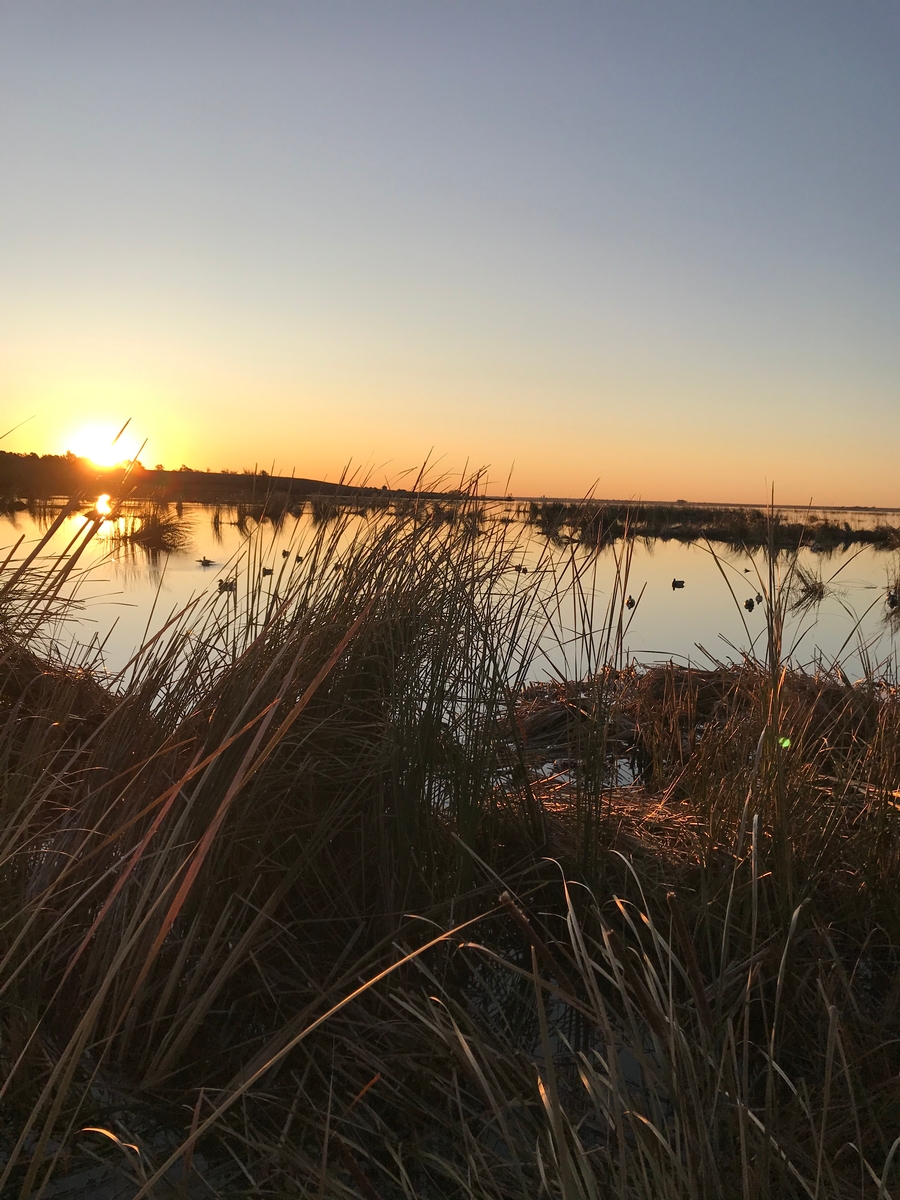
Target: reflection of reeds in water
{"x": 324, "y": 509}
{"x": 216, "y": 524}
{"x": 44, "y": 512}
{"x": 153, "y": 529}
{"x": 809, "y": 589}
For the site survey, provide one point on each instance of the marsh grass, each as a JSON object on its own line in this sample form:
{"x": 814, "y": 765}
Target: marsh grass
{"x": 291, "y": 907}
{"x": 599, "y": 524}
{"x": 152, "y": 528}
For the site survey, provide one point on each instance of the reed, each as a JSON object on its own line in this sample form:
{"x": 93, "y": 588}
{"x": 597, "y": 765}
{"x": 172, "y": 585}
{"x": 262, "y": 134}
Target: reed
{"x": 293, "y": 906}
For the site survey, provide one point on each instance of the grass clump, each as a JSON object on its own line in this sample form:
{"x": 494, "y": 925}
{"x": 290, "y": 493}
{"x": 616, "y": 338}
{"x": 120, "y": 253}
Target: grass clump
{"x": 294, "y": 907}
{"x": 152, "y": 528}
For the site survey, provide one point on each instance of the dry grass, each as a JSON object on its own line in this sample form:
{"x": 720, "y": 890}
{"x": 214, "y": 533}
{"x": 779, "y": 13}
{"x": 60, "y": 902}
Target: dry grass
{"x": 295, "y": 906}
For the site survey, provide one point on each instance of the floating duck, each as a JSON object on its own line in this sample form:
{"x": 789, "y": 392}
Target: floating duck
{"x": 227, "y": 585}
{"x": 266, "y": 571}
{"x": 749, "y": 605}
{"x": 285, "y": 553}
{"x": 206, "y": 562}
{"x": 520, "y": 569}
{"x": 630, "y": 602}
{"x": 299, "y": 558}
{"x": 893, "y": 599}
{"x": 759, "y": 598}
{"x": 677, "y": 583}
{"x": 746, "y": 570}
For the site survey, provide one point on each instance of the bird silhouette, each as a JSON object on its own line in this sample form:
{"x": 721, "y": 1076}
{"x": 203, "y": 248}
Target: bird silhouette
{"x": 677, "y": 583}
{"x": 759, "y": 598}
{"x": 748, "y": 604}
{"x": 267, "y": 571}
{"x": 630, "y": 602}
{"x": 893, "y": 599}
{"x": 299, "y": 558}
{"x": 206, "y": 562}
{"x": 285, "y": 553}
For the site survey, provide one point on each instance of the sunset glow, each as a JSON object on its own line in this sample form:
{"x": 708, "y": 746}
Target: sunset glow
{"x": 641, "y": 250}
{"x": 98, "y": 443}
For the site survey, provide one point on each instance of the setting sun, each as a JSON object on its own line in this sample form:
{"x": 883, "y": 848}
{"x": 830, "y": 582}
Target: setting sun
{"x": 99, "y": 443}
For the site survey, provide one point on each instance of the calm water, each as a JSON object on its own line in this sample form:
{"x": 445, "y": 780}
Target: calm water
{"x": 126, "y": 594}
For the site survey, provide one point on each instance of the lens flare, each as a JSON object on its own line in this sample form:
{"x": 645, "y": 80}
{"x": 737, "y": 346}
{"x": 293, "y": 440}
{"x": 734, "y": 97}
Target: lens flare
{"x": 103, "y": 507}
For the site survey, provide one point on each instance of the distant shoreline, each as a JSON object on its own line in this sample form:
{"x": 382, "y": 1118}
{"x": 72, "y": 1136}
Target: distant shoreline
{"x": 31, "y": 476}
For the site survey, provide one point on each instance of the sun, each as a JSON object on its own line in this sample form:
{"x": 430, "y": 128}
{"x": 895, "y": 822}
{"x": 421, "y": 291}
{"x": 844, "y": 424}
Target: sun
{"x": 98, "y": 442}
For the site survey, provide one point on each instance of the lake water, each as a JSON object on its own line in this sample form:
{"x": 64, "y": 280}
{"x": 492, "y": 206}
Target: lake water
{"x": 125, "y": 593}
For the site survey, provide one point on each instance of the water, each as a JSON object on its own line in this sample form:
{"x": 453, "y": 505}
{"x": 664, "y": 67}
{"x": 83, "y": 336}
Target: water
{"x": 127, "y": 594}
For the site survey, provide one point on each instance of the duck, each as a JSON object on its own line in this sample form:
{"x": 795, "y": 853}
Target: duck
{"x": 630, "y": 602}
{"x": 749, "y": 605}
{"x": 677, "y": 583}
{"x": 759, "y": 598}
{"x": 205, "y": 562}
{"x": 227, "y": 585}
{"x": 266, "y": 571}
{"x": 285, "y": 553}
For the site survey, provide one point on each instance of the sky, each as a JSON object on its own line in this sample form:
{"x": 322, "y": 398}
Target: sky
{"x": 644, "y": 249}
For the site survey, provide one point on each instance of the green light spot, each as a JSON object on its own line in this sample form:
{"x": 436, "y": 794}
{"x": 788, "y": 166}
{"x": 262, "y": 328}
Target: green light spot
{"x": 784, "y": 743}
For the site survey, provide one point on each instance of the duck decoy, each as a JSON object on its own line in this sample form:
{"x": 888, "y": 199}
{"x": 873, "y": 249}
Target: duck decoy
{"x": 677, "y": 583}
{"x": 266, "y": 571}
{"x": 630, "y": 602}
{"x": 749, "y": 605}
{"x": 205, "y": 562}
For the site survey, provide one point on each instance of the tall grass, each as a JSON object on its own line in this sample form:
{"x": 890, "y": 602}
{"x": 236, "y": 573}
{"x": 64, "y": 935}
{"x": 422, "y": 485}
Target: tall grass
{"x": 289, "y": 909}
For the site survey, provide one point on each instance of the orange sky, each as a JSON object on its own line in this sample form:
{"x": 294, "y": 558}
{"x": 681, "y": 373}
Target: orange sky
{"x": 650, "y": 249}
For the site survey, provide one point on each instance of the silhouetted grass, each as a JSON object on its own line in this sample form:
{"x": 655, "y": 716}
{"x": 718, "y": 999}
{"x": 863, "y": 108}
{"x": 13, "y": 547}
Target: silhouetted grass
{"x": 598, "y": 525}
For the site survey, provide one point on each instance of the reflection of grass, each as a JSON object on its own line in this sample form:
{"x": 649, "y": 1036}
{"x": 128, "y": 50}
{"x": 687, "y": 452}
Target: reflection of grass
{"x": 153, "y": 529}
{"x": 809, "y": 589}
{"x": 220, "y": 880}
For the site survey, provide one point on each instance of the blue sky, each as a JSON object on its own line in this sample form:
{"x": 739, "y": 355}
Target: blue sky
{"x": 648, "y": 246}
